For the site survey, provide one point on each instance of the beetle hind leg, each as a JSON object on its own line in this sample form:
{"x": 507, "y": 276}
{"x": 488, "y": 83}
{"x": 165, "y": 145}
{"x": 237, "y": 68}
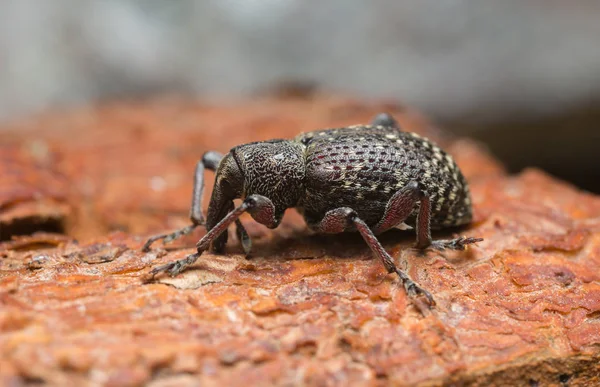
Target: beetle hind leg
{"x": 424, "y": 240}
{"x": 399, "y": 207}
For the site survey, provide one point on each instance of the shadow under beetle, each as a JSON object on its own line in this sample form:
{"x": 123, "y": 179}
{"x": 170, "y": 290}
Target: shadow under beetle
{"x": 365, "y": 178}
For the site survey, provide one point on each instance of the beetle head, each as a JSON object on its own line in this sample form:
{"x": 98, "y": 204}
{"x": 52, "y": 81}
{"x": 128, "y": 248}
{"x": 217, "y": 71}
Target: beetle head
{"x": 274, "y": 169}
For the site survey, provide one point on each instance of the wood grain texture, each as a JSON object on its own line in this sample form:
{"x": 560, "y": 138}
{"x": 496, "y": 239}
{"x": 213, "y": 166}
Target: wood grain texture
{"x": 522, "y": 307}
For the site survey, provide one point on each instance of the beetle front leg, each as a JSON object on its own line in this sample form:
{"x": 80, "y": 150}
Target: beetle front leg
{"x": 344, "y": 218}
{"x": 260, "y": 207}
{"x": 243, "y": 237}
{"x": 210, "y": 160}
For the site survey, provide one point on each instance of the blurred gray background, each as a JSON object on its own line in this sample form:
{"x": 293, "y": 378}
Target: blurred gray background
{"x": 521, "y": 75}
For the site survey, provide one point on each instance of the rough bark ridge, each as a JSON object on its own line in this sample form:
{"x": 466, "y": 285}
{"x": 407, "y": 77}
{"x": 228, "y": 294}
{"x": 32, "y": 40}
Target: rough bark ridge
{"x": 521, "y": 307}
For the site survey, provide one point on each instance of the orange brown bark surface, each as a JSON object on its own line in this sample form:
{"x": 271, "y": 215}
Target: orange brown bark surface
{"x": 521, "y": 307}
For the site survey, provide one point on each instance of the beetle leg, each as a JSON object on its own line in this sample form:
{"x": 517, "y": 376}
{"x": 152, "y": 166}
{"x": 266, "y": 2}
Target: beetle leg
{"x": 399, "y": 207}
{"x": 210, "y": 160}
{"x": 424, "y": 240}
{"x": 344, "y": 218}
{"x": 385, "y": 119}
{"x": 260, "y": 207}
{"x": 243, "y": 237}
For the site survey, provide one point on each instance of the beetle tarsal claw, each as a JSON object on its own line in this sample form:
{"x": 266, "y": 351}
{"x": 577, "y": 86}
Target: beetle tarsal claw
{"x": 418, "y": 291}
{"x": 414, "y": 291}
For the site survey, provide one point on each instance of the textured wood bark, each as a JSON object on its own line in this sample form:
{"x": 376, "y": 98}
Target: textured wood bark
{"x": 521, "y": 307}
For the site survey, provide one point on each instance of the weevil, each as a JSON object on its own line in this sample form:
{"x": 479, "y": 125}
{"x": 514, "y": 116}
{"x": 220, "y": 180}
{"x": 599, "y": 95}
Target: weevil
{"x": 363, "y": 178}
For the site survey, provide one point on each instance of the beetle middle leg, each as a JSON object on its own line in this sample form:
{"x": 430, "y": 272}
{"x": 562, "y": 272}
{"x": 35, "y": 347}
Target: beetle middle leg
{"x": 260, "y": 207}
{"x": 344, "y": 218}
{"x": 210, "y": 160}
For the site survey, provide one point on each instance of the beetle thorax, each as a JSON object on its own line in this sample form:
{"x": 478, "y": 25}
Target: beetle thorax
{"x": 274, "y": 169}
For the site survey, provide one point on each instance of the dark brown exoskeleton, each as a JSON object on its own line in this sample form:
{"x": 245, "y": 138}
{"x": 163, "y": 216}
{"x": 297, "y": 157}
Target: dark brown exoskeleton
{"x": 365, "y": 178}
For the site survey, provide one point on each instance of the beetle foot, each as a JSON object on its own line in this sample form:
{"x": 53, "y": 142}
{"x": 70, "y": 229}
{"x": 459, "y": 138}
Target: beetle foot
{"x": 175, "y": 267}
{"x": 453, "y": 244}
{"x": 167, "y": 238}
{"x": 416, "y": 292}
